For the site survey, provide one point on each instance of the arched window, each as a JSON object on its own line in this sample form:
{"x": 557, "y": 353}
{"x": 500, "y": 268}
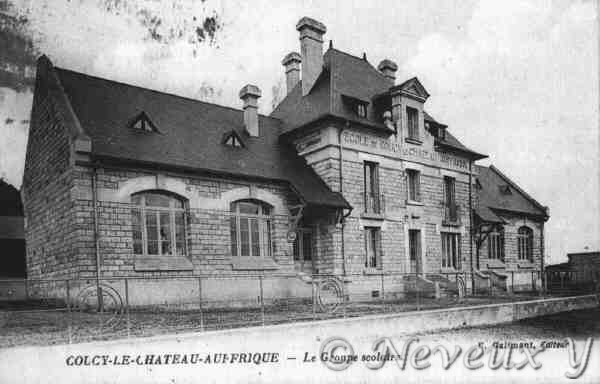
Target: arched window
{"x": 250, "y": 228}
{"x": 525, "y": 243}
{"x": 158, "y": 224}
{"x": 496, "y": 245}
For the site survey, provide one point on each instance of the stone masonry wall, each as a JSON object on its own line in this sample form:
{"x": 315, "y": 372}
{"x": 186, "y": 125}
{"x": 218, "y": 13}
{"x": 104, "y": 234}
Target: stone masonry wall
{"x": 47, "y": 180}
{"x": 208, "y": 238}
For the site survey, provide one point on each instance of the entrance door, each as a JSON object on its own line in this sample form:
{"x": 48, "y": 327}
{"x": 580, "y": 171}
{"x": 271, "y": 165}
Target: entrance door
{"x": 303, "y": 250}
{"x": 414, "y": 248}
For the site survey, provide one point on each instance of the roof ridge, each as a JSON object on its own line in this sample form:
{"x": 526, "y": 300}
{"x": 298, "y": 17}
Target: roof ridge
{"x": 159, "y": 92}
{"x": 364, "y": 60}
{"x": 519, "y": 189}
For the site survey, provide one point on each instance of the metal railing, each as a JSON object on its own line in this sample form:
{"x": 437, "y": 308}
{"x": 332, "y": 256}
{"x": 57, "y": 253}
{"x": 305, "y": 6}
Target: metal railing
{"x": 451, "y": 214}
{"x": 374, "y": 203}
{"x": 68, "y": 310}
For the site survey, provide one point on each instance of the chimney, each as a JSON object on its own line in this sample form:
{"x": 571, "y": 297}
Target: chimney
{"x": 250, "y": 94}
{"x": 291, "y": 62}
{"x": 311, "y": 47}
{"x": 388, "y": 68}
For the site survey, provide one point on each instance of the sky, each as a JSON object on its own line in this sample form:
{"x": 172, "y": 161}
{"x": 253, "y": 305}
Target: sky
{"x": 517, "y": 80}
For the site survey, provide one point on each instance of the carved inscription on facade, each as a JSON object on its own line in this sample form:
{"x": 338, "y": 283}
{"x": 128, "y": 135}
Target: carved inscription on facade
{"x": 405, "y": 151}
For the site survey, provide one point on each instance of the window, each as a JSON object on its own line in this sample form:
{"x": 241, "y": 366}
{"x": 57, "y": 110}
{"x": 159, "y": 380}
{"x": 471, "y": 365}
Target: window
{"x": 158, "y": 224}
{"x": 303, "y": 246}
{"x": 371, "y": 180}
{"x": 442, "y": 133}
{"x": 143, "y": 123}
{"x": 233, "y": 141}
{"x": 505, "y": 189}
{"x": 496, "y": 245}
{"x": 414, "y": 250}
{"x": 412, "y": 118}
{"x": 361, "y": 110}
{"x": 373, "y": 247}
{"x": 449, "y": 191}
{"x": 525, "y": 243}
{"x": 250, "y": 229}
{"x": 451, "y": 250}
{"x": 451, "y": 209}
{"x": 414, "y": 185}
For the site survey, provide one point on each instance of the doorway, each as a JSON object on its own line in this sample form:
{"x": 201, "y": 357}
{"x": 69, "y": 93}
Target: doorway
{"x": 414, "y": 249}
{"x": 304, "y": 251}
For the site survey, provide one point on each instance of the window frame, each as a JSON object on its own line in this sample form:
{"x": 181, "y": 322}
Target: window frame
{"x": 371, "y": 186}
{"x": 451, "y": 250}
{"x": 265, "y": 229}
{"x": 303, "y": 243}
{"x": 413, "y": 185}
{"x": 361, "y": 110}
{"x": 373, "y": 248}
{"x": 525, "y": 243}
{"x": 496, "y": 245}
{"x": 415, "y": 250}
{"x": 449, "y": 191}
{"x": 412, "y": 123}
{"x": 143, "y": 208}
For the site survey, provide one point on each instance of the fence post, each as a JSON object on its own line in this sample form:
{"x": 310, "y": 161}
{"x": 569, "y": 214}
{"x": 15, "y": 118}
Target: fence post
{"x": 128, "y": 324}
{"x": 383, "y": 291}
{"x": 262, "y": 300}
{"x": 200, "y": 303}
{"x": 512, "y": 282}
{"x": 343, "y": 297}
{"x": 418, "y": 297}
{"x": 70, "y": 315}
{"x": 314, "y": 299}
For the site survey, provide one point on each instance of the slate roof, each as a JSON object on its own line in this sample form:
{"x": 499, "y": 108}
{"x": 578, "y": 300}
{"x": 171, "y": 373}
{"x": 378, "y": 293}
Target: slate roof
{"x": 190, "y": 135}
{"x": 345, "y": 75}
{"x": 490, "y": 195}
{"x": 342, "y": 74}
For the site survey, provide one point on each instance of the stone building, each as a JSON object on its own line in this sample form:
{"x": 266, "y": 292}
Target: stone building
{"x": 349, "y": 176}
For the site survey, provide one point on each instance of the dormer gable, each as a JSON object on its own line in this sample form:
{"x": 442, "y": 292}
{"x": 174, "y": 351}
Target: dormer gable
{"x": 143, "y": 123}
{"x": 413, "y": 88}
{"x": 232, "y": 139}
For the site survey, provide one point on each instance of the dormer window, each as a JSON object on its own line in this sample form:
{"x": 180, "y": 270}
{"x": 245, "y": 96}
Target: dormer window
{"x": 361, "y": 110}
{"x": 412, "y": 119}
{"x": 442, "y": 133}
{"x": 232, "y": 139}
{"x": 358, "y": 106}
{"x": 143, "y": 123}
{"x": 505, "y": 189}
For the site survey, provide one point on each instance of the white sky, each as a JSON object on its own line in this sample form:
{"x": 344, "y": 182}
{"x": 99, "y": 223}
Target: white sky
{"x": 516, "y": 80}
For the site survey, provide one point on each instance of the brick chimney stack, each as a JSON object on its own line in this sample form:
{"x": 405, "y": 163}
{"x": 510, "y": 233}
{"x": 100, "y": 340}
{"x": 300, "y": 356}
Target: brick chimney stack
{"x": 291, "y": 62}
{"x": 249, "y": 95}
{"x": 388, "y": 68}
{"x": 311, "y": 48}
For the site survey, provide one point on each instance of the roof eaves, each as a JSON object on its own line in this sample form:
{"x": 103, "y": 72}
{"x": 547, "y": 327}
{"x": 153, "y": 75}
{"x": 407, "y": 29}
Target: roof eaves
{"x": 474, "y": 155}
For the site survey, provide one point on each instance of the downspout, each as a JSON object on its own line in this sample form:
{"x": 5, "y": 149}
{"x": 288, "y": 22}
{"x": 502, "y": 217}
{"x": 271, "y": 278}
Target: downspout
{"x": 471, "y": 232}
{"x": 343, "y": 248}
{"x": 96, "y": 237}
{"x": 542, "y": 249}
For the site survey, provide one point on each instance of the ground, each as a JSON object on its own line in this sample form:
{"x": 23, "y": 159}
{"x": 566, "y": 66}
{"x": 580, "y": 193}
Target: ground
{"x": 578, "y": 325}
{"x": 28, "y": 324}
